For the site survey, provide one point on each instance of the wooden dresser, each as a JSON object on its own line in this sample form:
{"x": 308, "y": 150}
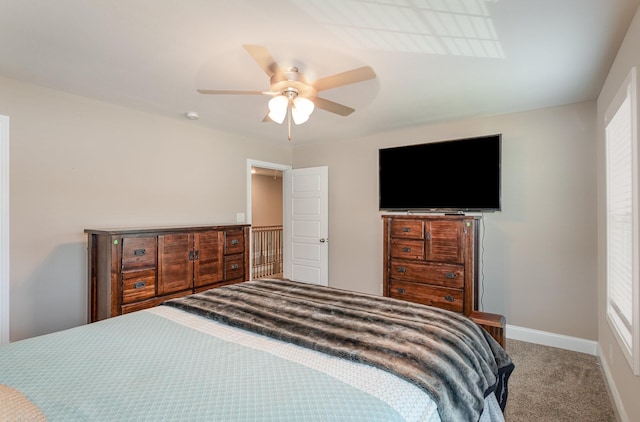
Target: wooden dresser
{"x": 135, "y": 269}
{"x": 433, "y": 260}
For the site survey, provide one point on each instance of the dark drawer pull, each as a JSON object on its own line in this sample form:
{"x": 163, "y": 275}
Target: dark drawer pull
{"x": 406, "y": 229}
{"x": 139, "y": 252}
{"x": 191, "y": 255}
{"x": 401, "y": 269}
{"x": 139, "y": 285}
{"x": 449, "y": 298}
{"x": 406, "y": 249}
{"x": 235, "y": 242}
{"x": 450, "y": 275}
{"x": 428, "y": 236}
{"x": 402, "y": 291}
{"x": 234, "y": 266}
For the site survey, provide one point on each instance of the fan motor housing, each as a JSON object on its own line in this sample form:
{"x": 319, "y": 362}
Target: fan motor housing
{"x": 295, "y": 82}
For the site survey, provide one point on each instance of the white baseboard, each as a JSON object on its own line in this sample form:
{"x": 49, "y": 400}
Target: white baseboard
{"x": 551, "y": 339}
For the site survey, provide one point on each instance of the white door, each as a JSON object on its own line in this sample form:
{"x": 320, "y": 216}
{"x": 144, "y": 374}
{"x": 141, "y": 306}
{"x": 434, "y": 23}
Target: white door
{"x": 306, "y": 225}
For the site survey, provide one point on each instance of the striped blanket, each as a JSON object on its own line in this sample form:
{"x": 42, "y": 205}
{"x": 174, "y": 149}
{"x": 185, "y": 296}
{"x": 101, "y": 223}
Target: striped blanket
{"x": 447, "y": 355}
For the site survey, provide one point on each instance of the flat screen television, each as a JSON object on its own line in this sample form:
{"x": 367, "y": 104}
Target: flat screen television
{"x": 461, "y": 175}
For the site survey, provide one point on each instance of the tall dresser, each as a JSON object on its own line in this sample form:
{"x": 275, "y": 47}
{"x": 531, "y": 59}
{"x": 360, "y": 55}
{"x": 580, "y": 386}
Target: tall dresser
{"x": 134, "y": 269}
{"x": 432, "y": 260}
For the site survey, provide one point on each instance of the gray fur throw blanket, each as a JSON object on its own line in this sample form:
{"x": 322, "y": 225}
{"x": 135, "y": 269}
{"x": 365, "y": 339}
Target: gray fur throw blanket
{"x": 455, "y": 361}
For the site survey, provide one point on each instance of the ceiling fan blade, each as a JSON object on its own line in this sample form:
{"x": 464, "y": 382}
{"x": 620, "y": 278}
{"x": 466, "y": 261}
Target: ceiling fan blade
{"x": 265, "y": 61}
{"x": 230, "y": 91}
{"x": 332, "y": 107}
{"x": 345, "y": 78}
{"x": 267, "y": 119}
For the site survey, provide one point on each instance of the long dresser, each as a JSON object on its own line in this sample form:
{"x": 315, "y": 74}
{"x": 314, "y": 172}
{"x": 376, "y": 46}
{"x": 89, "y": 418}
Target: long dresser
{"x": 134, "y": 269}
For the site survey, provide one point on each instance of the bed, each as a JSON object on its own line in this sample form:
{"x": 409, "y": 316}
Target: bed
{"x": 265, "y": 350}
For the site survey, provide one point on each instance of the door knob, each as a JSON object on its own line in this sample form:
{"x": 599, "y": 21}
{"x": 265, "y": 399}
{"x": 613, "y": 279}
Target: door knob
{"x": 323, "y": 240}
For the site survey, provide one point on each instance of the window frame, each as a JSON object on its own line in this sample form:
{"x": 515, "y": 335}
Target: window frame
{"x": 627, "y": 333}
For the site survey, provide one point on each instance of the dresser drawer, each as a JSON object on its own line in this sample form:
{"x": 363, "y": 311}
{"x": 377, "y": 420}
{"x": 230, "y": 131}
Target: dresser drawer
{"x": 234, "y": 242}
{"x": 138, "y": 285}
{"x": 146, "y": 304}
{"x": 446, "y": 275}
{"x": 138, "y": 252}
{"x": 407, "y": 249}
{"x": 445, "y": 298}
{"x": 407, "y": 229}
{"x": 234, "y": 267}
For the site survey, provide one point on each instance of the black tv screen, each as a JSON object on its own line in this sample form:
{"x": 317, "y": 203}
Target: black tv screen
{"x": 456, "y": 176}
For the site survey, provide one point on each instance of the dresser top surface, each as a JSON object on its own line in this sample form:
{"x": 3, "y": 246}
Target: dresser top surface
{"x": 165, "y": 229}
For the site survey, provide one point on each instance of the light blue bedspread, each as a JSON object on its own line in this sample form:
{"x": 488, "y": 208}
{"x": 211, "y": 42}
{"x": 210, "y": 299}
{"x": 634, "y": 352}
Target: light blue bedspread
{"x": 143, "y": 367}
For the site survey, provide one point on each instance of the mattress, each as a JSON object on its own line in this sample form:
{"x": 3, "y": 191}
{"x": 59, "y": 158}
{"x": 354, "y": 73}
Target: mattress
{"x": 163, "y": 364}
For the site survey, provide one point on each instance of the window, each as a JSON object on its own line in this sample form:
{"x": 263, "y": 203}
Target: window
{"x": 621, "y": 139}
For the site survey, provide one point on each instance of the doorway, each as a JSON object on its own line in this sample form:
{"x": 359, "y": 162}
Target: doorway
{"x": 300, "y": 251}
{"x": 265, "y": 214}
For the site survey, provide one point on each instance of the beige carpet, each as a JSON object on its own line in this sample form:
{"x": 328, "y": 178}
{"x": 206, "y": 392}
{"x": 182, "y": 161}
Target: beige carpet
{"x": 553, "y": 385}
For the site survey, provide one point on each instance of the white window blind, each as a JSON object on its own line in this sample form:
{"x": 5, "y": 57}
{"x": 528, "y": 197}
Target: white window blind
{"x": 622, "y": 221}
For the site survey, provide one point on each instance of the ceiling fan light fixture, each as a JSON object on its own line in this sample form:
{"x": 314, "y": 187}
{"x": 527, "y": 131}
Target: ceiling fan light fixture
{"x": 303, "y": 105}
{"x": 298, "y": 117}
{"x": 278, "y": 106}
{"x": 294, "y": 98}
{"x": 302, "y": 109}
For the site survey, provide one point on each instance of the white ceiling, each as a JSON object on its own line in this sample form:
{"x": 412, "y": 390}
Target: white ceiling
{"x": 435, "y": 60}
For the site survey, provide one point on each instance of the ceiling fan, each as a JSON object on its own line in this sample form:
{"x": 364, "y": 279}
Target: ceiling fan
{"x": 293, "y": 96}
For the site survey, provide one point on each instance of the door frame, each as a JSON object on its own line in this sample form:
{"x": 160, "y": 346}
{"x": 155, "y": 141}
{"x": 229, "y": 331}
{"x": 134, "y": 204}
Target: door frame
{"x": 248, "y": 218}
{"x": 4, "y": 230}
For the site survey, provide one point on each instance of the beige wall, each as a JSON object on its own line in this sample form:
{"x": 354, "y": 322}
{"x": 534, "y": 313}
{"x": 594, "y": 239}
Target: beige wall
{"x": 266, "y": 200}
{"x": 626, "y": 384}
{"x": 539, "y": 253}
{"x": 77, "y": 163}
